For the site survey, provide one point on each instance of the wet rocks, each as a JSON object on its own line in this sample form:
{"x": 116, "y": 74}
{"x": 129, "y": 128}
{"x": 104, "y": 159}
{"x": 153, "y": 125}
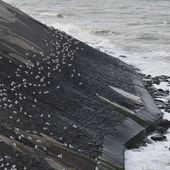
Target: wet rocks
{"x": 161, "y": 129}
{"x": 165, "y": 123}
{"x": 122, "y": 56}
{"x": 156, "y": 80}
{"x": 158, "y": 93}
{"x": 160, "y": 96}
{"x": 167, "y": 108}
{"x": 158, "y": 138}
{"x": 160, "y": 104}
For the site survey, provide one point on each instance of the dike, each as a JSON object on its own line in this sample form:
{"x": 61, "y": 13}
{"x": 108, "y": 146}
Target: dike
{"x": 64, "y": 104}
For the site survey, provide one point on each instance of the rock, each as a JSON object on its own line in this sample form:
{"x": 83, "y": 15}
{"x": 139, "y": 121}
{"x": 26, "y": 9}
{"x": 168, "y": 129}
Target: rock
{"x": 148, "y": 141}
{"x": 156, "y": 80}
{"x": 158, "y": 138}
{"x": 164, "y": 78}
{"x": 122, "y": 56}
{"x": 147, "y": 83}
{"x": 149, "y": 76}
{"x": 60, "y": 16}
{"x": 167, "y": 110}
{"x": 160, "y": 90}
{"x": 165, "y": 123}
{"x": 161, "y": 129}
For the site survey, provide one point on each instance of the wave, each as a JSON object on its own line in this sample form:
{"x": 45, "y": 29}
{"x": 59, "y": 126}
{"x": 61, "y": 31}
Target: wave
{"x": 141, "y": 51}
{"x": 52, "y": 14}
{"x": 154, "y": 62}
{"x": 102, "y": 32}
{"x": 87, "y": 36}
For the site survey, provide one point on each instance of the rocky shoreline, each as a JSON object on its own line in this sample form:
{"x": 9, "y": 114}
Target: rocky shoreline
{"x": 161, "y": 96}
{"x": 153, "y": 153}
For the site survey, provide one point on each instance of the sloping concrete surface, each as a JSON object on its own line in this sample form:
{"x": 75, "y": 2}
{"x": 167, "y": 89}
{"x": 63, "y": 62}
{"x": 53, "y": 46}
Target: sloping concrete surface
{"x": 52, "y": 109}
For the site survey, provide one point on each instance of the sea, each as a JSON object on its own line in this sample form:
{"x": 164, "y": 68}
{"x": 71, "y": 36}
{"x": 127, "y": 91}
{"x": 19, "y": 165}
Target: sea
{"x": 136, "y": 31}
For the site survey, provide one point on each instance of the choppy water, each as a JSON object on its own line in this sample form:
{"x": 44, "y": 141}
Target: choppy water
{"x": 139, "y": 29}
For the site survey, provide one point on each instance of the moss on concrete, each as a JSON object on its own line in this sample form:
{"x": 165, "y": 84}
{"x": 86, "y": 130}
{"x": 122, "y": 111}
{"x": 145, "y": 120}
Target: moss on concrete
{"x": 127, "y": 112}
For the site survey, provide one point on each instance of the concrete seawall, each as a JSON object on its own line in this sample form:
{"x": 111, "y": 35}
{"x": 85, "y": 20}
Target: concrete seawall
{"x": 64, "y": 104}
{"x": 140, "y": 136}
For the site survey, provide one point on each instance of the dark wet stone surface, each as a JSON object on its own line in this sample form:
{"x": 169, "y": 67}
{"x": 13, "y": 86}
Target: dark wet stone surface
{"x": 161, "y": 129}
{"x": 165, "y": 123}
{"x": 122, "y": 56}
{"x": 157, "y": 93}
{"x": 158, "y": 138}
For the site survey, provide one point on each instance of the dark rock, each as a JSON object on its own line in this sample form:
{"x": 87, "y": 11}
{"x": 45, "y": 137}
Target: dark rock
{"x": 148, "y": 141}
{"x": 60, "y": 15}
{"x": 122, "y": 56}
{"x": 147, "y": 84}
{"x": 160, "y": 93}
{"x": 148, "y": 76}
{"x": 165, "y": 123}
{"x": 156, "y": 81}
{"x": 167, "y": 110}
{"x": 161, "y": 129}
{"x": 164, "y": 78}
{"x": 160, "y": 90}
{"x": 158, "y": 138}
{"x": 160, "y": 104}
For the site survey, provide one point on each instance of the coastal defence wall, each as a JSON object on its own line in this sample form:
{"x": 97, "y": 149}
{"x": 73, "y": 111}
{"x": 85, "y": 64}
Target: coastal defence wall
{"x": 64, "y": 104}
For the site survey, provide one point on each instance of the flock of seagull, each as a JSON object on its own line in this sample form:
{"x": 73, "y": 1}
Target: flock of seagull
{"x": 28, "y": 83}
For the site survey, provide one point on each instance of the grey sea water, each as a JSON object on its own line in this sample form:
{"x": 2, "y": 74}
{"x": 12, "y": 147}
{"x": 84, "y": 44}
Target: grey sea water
{"x": 139, "y": 29}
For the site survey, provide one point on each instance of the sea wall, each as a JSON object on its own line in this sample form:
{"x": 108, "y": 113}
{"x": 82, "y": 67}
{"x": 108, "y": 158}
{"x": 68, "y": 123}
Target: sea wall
{"x": 64, "y": 104}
